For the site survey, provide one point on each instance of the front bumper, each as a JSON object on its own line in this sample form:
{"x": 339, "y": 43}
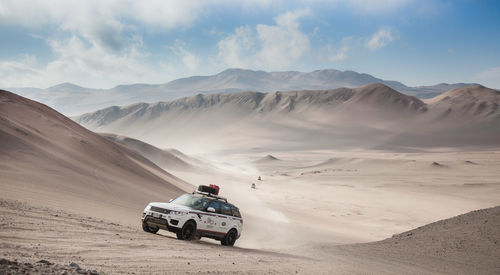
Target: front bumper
{"x": 161, "y": 221}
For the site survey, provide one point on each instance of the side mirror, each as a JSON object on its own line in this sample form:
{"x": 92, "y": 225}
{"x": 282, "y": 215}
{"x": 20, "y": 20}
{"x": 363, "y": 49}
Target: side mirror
{"x": 211, "y": 209}
{"x": 170, "y": 200}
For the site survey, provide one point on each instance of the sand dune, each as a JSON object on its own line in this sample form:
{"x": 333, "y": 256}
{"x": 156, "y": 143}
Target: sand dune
{"x": 168, "y": 159}
{"x": 50, "y": 160}
{"x": 465, "y": 244}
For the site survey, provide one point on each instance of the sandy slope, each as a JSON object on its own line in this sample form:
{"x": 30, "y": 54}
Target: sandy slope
{"x": 466, "y": 244}
{"x": 30, "y": 234}
{"x": 48, "y": 159}
{"x": 33, "y": 233}
{"x": 169, "y": 158}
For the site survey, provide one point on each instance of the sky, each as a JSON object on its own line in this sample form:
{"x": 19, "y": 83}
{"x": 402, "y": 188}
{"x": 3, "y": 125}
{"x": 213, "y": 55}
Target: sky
{"x": 101, "y": 44}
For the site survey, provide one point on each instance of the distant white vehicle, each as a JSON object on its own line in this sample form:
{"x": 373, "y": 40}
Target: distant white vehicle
{"x": 193, "y": 216}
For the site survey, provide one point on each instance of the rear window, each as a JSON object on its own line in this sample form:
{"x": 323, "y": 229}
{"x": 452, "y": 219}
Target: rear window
{"x": 235, "y": 211}
{"x": 226, "y": 209}
{"x": 215, "y": 205}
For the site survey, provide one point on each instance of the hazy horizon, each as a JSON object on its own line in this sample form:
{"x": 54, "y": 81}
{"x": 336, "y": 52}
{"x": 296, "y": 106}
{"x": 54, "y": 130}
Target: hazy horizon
{"x": 244, "y": 69}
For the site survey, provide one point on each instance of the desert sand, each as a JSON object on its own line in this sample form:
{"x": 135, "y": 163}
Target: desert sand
{"x": 34, "y": 234}
{"x": 70, "y": 195}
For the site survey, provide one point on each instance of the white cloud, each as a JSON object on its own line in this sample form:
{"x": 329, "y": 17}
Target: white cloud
{"x": 76, "y": 57}
{"x": 269, "y": 47}
{"x": 95, "y": 42}
{"x": 166, "y": 14}
{"x": 380, "y": 39}
{"x": 190, "y": 60}
{"x": 489, "y": 77}
{"x": 101, "y": 22}
{"x": 235, "y": 49}
{"x": 83, "y": 63}
{"x": 23, "y": 70}
{"x": 340, "y": 55}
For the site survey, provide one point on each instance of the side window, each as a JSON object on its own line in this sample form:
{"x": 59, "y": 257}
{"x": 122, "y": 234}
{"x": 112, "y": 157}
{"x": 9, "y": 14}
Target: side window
{"x": 226, "y": 209}
{"x": 215, "y": 205}
{"x": 236, "y": 211}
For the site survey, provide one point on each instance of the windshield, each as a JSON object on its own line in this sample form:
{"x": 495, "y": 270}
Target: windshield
{"x": 194, "y": 202}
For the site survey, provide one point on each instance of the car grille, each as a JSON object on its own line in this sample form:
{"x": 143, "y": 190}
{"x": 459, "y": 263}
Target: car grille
{"x": 160, "y": 210}
{"x": 156, "y": 220}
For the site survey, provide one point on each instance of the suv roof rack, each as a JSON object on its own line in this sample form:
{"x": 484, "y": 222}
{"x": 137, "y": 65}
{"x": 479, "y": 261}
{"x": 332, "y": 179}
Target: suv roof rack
{"x": 210, "y": 195}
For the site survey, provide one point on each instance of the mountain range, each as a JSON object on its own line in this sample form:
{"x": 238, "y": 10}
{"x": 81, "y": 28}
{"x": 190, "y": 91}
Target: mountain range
{"x": 71, "y": 99}
{"x": 370, "y": 117}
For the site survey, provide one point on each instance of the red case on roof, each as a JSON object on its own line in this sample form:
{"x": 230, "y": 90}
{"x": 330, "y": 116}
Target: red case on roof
{"x": 216, "y": 187}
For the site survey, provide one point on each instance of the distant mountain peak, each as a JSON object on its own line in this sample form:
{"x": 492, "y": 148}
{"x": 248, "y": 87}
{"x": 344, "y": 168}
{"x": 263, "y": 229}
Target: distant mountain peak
{"x": 376, "y": 88}
{"x": 375, "y": 85}
{"x": 381, "y": 95}
{"x": 65, "y": 85}
{"x": 240, "y": 71}
{"x": 475, "y": 91}
{"x": 271, "y": 157}
{"x": 268, "y": 158}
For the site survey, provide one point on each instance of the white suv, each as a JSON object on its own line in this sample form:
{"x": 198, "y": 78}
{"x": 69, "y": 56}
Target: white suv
{"x": 192, "y": 216}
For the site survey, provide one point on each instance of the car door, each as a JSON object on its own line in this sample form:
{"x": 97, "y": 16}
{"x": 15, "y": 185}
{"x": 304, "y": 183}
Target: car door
{"x": 210, "y": 221}
{"x": 225, "y": 222}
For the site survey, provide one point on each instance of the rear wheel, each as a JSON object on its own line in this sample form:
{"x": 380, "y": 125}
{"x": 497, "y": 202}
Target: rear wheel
{"x": 187, "y": 232}
{"x": 230, "y": 238}
{"x": 148, "y": 229}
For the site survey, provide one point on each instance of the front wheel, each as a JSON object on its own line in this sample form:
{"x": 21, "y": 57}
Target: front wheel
{"x": 230, "y": 238}
{"x": 148, "y": 229}
{"x": 187, "y": 232}
{"x": 197, "y": 236}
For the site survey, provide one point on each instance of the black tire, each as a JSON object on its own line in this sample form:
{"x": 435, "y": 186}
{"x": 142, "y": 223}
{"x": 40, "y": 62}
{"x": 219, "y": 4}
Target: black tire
{"x": 148, "y": 229}
{"x": 230, "y": 238}
{"x": 197, "y": 236}
{"x": 187, "y": 232}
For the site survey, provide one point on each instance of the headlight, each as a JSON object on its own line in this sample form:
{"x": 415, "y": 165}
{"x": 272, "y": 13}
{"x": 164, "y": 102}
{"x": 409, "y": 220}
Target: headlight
{"x": 179, "y": 213}
{"x": 148, "y": 207}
